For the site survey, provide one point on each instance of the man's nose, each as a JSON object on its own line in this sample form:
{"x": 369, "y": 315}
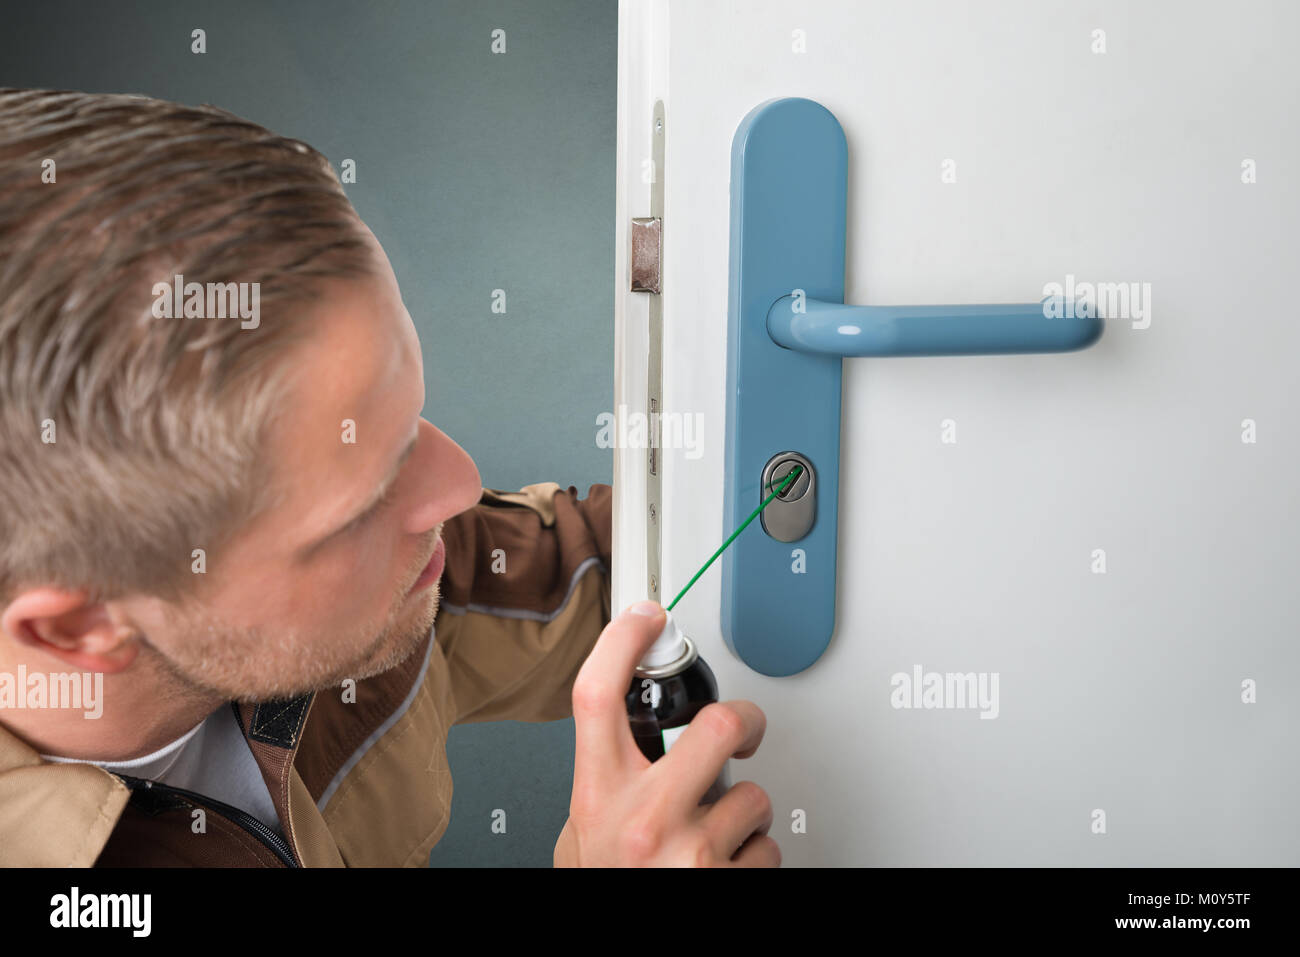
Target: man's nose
{"x": 445, "y": 480}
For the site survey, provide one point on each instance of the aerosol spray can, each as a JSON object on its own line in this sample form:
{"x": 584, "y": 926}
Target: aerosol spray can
{"x": 670, "y": 686}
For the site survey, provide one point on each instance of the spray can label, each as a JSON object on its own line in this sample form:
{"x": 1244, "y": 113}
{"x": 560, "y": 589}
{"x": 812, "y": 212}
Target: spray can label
{"x": 671, "y": 735}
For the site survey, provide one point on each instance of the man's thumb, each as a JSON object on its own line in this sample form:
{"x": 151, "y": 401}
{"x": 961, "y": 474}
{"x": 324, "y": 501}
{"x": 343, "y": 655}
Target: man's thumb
{"x": 645, "y": 619}
{"x": 636, "y": 628}
{"x": 646, "y": 609}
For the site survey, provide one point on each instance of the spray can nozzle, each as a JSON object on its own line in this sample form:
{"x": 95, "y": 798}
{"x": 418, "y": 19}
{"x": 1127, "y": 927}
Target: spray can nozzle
{"x": 670, "y": 646}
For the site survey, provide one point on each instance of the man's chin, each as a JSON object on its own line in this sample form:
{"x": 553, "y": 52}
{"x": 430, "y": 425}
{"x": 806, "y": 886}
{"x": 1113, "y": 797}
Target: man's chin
{"x": 397, "y": 643}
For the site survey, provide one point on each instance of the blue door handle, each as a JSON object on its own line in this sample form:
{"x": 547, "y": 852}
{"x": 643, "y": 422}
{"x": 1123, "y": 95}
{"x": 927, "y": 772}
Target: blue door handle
{"x": 788, "y": 330}
{"x": 835, "y": 329}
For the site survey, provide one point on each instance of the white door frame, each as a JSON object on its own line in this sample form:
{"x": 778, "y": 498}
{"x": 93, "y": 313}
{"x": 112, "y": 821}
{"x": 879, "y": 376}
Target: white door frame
{"x": 642, "y": 79}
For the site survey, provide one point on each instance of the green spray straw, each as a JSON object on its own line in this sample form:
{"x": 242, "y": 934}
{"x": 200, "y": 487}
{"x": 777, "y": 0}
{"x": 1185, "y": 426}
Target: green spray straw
{"x": 788, "y": 479}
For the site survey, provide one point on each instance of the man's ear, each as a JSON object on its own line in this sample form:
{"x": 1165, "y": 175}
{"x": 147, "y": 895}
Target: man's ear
{"x": 63, "y": 623}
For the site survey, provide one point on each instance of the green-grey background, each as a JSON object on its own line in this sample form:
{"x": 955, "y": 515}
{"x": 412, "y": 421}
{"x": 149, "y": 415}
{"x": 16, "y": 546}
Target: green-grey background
{"x": 476, "y": 171}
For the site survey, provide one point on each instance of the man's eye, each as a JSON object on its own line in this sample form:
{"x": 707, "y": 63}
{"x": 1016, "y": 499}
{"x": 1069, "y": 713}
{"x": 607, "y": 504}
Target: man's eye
{"x": 362, "y": 520}
{"x": 385, "y": 500}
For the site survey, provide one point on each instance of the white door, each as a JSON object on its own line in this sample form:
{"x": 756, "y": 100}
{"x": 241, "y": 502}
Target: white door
{"x": 1110, "y": 535}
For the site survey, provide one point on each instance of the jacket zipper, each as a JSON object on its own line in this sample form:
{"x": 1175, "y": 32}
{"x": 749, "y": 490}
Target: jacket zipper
{"x": 278, "y": 845}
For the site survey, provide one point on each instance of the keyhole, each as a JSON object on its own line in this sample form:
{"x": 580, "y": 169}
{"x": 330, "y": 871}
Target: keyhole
{"x": 781, "y": 474}
{"x": 790, "y": 520}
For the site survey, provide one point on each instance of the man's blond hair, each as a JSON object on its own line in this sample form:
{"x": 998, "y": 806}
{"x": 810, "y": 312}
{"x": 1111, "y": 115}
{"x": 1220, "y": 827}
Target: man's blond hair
{"x": 128, "y": 441}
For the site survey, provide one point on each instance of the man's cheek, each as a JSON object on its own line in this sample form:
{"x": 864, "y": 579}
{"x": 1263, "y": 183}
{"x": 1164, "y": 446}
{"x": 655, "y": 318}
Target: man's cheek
{"x": 371, "y": 569}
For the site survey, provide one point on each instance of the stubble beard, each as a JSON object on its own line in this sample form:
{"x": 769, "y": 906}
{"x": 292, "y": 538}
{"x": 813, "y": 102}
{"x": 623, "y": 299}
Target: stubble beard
{"x": 225, "y": 674}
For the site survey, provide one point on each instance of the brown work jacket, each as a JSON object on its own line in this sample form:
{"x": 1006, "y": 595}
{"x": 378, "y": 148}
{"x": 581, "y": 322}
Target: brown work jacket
{"x": 525, "y": 593}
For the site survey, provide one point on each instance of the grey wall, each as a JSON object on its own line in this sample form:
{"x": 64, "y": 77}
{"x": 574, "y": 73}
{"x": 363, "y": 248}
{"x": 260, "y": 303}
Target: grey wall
{"x": 477, "y": 172}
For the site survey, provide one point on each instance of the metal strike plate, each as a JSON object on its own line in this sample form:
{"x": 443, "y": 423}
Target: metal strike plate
{"x": 789, "y": 516}
{"x": 647, "y": 254}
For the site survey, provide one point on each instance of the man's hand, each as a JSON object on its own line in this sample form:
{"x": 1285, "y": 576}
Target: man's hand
{"x": 629, "y": 812}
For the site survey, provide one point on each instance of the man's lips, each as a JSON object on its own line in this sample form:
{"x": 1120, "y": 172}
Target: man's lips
{"x": 433, "y": 570}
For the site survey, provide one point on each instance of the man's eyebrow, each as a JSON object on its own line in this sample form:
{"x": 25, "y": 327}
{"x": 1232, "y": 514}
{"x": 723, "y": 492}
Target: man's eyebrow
{"x": 374, "y": 499}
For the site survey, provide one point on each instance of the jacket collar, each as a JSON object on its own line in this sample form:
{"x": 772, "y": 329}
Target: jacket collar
{"x": 53, "y": 814}
{"x": 61, "y": 815}
{"x": 273, "y": 730}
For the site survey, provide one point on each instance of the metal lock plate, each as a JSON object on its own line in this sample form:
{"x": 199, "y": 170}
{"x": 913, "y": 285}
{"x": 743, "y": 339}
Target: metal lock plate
{"x": 646, "y": 245}
{"x": 789, "y": 516}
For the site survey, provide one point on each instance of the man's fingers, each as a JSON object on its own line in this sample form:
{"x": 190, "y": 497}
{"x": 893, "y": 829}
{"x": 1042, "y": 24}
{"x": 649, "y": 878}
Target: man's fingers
{"x": 603, "y": 735}
{"x": 759, "y": 851}
{"x": 717, "y": 732}
{"x": 743, "y": 811}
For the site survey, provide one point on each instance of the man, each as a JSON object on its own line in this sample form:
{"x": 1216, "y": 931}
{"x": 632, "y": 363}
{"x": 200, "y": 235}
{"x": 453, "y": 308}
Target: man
{"x": 225, "y": 527}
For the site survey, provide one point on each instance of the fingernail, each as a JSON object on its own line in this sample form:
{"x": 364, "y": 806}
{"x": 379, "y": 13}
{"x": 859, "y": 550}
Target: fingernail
{"x": 648, "y": 608}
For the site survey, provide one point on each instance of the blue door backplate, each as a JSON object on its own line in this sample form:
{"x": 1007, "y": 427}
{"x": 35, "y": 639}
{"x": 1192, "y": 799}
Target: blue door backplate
{"x": 789, "y": 166}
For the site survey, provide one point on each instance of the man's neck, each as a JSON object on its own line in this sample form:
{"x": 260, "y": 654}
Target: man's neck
{"x": 140, "y": 710}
